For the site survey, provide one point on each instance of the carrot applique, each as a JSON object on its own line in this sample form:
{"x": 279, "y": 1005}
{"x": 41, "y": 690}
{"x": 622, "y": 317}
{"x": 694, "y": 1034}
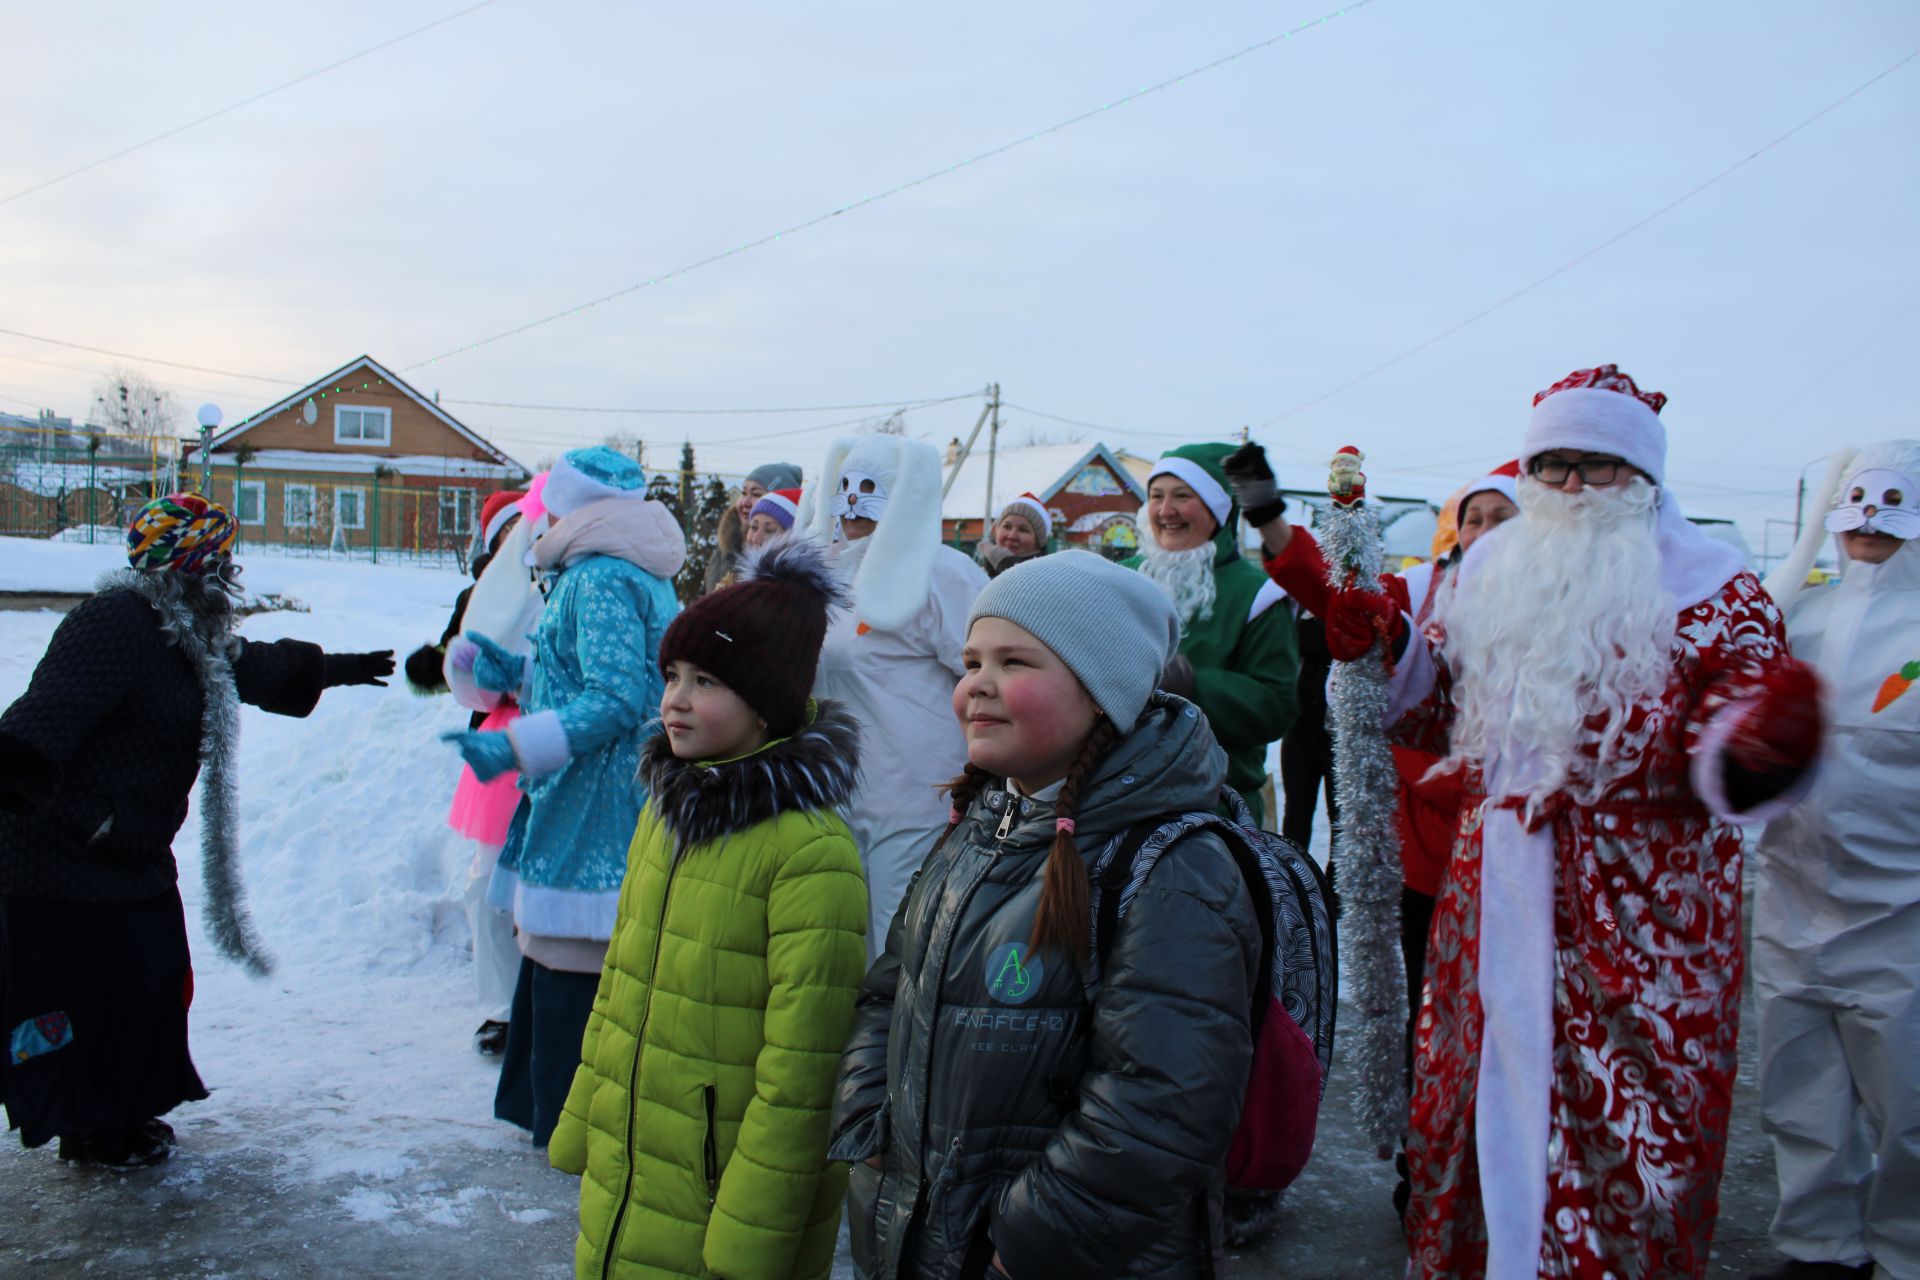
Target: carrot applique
{"x": 1895, "y": 685}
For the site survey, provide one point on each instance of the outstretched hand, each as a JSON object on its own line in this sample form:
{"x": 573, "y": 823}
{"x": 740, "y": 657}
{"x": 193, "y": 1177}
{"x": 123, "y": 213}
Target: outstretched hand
{"x": 494, "y": 667}
{"x": 359, "y": 668}
{"x": 487, "y": 753}
{"x": 1255, "y": 487}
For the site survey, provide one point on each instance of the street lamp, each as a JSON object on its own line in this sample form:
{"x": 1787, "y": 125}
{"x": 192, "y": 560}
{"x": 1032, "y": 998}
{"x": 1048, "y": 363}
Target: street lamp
{"x": 209, "y": 419}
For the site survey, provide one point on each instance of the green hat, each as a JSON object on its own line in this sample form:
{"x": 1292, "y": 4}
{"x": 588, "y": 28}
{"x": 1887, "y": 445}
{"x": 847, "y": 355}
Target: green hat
{"x": 1198, "y": 467}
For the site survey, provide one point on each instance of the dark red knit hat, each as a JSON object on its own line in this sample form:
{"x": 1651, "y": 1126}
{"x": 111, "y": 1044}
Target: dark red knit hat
{"x": 762, "y": 635}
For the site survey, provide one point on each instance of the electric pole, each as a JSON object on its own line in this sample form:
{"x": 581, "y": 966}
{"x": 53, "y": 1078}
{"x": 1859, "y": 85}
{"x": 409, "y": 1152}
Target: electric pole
{"x": 993, "y": 451}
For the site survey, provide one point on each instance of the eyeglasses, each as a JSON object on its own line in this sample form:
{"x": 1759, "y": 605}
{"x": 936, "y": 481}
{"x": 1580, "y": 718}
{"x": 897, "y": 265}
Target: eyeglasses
{"x": 1593, "y": 471}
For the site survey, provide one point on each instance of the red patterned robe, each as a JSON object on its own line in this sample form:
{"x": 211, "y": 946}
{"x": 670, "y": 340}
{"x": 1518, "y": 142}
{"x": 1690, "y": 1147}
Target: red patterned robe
{"x": 1629, "y": 1075}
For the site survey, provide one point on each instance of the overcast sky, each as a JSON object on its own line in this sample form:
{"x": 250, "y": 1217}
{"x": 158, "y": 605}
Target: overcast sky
{"x": 1200, "y": 259}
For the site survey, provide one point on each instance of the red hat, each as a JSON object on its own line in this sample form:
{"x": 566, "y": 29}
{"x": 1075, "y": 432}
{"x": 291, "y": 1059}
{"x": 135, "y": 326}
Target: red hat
{"x": 1034, "y": 510}
{"x": 762, "y": 635}
{"x": 1504, "y": 478}
{"x": 782, "y": 504}
{"x": 496, "y": 511}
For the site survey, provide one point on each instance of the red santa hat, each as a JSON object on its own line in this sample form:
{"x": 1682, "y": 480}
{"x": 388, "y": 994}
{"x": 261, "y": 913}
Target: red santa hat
{"x": 781, "y": 504}
{"x": 1035, "y": 512}
{"x": 1504, "y": 479}
{"x": 1600, "y": 410}
{"x": 496, "y": 511}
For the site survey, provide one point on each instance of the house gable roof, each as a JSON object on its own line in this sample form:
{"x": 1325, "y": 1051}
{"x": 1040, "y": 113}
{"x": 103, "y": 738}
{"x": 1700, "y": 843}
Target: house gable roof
{"x": 1043, "y": 470}
{"x": 392, "y": 379}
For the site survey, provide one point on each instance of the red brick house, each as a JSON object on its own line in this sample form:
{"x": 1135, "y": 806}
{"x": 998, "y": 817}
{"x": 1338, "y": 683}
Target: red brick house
{"x": 1093, "y": 499}
{"x": 356, "y": 460}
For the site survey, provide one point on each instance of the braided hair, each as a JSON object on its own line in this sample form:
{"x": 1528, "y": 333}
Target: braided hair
{"x": 1065, "y": 916}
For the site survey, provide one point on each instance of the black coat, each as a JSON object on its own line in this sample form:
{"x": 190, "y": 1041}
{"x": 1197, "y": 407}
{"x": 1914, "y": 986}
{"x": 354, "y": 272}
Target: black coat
{"x": 98, "y": 756}
{"x": 1080, "y": 1141}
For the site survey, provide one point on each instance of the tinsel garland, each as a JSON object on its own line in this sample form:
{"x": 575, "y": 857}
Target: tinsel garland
{"x": 1366, "y": 837}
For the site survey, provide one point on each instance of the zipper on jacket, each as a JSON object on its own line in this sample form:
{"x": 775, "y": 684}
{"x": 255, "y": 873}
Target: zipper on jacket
{"x": 633, "y": 1079}
{"x": 1006, "y": 819}
{"x": 710, "y": 1096}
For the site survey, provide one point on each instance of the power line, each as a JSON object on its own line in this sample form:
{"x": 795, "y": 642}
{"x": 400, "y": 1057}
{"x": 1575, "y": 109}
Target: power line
{"x": 877, "y": 197}
{"x": 244, "y": 102}
{"x": 171, "y": 364}
{"x": 617, "y": 409}
{"x": 1569, "y": 265}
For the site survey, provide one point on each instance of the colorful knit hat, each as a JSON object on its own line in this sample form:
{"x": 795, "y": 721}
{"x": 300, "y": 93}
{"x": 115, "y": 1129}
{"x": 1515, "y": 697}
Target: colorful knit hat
{"x": 781, "y": 504}
{"x": 183, "y": 532}
{"x": 762, "y": 635}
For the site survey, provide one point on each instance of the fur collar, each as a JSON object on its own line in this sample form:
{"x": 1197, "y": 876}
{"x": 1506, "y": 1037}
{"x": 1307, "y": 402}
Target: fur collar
{"x": 814, "y": 769}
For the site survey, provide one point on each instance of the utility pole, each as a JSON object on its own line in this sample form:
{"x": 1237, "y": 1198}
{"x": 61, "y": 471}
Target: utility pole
{"x": 993, "y": 451}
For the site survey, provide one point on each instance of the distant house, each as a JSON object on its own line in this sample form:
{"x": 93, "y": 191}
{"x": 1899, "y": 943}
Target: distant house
{"x": 56, "y": 475}
{"x": 1093, "y": 498}
{"x": 356, "y": 460}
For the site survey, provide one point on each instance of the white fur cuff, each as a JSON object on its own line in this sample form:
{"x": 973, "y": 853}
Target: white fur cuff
{"x": 540, "y": 743}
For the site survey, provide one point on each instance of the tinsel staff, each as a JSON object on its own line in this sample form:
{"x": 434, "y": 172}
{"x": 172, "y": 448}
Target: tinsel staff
{"x": 1367, "y": 835}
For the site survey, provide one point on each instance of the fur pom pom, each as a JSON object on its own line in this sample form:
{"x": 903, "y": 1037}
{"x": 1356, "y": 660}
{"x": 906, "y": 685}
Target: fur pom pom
{"x": 424, "y": 670}
{"x": 800, "y": 560}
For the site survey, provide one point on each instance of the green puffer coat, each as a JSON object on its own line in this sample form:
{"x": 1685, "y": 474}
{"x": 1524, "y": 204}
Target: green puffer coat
{"x": 699, "y": 1113}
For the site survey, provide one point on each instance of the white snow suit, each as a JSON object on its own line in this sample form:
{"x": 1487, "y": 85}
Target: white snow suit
{"x": 1837, "y": 929}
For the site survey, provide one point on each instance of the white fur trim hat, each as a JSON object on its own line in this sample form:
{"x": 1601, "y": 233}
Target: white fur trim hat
{"x": 1205, "y": 485}
{"x": 589, "y": 475}
{"x": 1599, "y": 410}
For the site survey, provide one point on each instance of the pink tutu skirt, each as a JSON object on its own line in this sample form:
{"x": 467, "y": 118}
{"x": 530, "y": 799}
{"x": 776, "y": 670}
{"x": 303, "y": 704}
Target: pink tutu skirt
{"x": 483, "y": 810}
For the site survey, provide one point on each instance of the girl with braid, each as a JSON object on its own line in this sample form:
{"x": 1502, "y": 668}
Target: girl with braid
{"x": 1000, "y": 1122}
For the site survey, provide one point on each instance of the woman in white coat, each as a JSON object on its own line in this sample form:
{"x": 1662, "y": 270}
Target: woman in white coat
{"x": 1837, "y": 913}
{"x": 894, "y": 659}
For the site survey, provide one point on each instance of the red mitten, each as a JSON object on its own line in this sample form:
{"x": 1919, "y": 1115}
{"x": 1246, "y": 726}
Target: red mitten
{"x": 1355, "y": 619}
{"x": 1780, "y": 726}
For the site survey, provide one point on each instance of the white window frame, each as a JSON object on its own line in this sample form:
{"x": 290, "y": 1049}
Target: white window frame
{"x": 472, "y": 505}
{"x": 258, "y": 488}
{"x": 360, "y": 506}
{"x": 286, "y": 506}
{"x": 386, "y": 419}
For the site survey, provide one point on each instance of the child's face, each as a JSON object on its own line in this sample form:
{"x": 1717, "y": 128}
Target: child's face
{"x": 1024, "y": 714}
{"x": 705, "y": 720}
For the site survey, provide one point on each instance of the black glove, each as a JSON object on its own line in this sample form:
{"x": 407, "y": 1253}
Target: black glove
{"x": 358, "y": 668}
{"x": 1254, "y": 486}
{"x": 1177, "y": 679}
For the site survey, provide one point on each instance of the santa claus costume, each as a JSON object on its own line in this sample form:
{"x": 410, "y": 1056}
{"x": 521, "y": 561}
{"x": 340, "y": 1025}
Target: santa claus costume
{"x": 894, "y": 659}
{"x": 1614, "y": 686}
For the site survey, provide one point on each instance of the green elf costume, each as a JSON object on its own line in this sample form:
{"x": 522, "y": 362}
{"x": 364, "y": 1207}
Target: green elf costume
{"x": 1241, "y": 658}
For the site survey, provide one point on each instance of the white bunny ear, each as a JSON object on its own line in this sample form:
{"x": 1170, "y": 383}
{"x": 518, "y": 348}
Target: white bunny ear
{"x": 896, "y": 573}
{"x": 1790, "y": 578}
{"x": 817, "y": 507}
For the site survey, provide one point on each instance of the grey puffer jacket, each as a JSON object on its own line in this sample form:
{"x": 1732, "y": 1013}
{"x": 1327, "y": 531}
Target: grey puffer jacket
{"x": 1075, "y": 1140}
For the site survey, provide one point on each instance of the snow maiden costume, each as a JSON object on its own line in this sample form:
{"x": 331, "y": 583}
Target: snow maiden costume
{"x": 1836, "y": 919}
{"x": 588, "y": 692}
{"x": 699, "y": 1112}
{"x": 1575, "y": 1057}
{"x": 137, "y": 693}
{"x": 894, "y": 659}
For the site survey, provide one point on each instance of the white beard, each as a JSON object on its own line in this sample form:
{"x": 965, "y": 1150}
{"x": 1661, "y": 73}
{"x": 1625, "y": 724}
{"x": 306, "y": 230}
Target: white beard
{"x": 1186, "y": 577}
{"x": 1566, "y": 620}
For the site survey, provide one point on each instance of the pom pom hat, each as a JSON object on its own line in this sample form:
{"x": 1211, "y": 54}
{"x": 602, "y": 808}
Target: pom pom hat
{"x": 1033, "y": 510}
{"x": 782, "y": 504}
{"x": 183, "y": 532}
{"x": 762, "y": 635}
{"x": 591, "y": 475}
{"x": 1115, "y": 629}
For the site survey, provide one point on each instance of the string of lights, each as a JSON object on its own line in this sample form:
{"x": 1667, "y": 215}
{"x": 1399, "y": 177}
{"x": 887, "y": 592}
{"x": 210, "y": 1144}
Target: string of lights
{"x": 179, "y": 129}
{"x": 890, "y": 192}
{"x": 1609, "y": 242}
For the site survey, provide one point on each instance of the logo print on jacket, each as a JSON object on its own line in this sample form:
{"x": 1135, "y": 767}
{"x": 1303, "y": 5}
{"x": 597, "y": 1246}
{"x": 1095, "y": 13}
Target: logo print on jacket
{"x": 1013, "y": 976}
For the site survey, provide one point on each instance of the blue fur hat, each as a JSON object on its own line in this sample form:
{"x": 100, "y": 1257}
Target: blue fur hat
{"x": 589, "y": 475}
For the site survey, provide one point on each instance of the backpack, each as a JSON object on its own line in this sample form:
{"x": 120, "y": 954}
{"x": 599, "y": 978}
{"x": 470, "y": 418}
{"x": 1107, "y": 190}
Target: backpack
{"x": 1294, "y": 1000}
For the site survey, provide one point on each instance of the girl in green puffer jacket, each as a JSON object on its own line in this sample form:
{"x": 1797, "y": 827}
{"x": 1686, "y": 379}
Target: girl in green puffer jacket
{"x": 700, "y": 1109}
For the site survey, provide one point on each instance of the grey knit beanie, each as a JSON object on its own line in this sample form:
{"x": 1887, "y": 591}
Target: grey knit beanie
{"x": 775, "y": 475}
{"x": 1114, "y": 628}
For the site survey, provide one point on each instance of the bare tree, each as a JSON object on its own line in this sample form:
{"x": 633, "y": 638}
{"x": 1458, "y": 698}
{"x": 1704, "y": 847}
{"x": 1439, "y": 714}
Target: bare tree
{"x": 629, "y": 443}
{"x": 128, "y": 403}
{"x": 1035, "y": 437}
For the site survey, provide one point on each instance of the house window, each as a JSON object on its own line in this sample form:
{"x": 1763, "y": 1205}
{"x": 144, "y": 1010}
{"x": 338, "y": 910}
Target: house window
{"x": 456, "y": 511}
{"x": 349, "y": 508}
{"x": 352, "y": 425}
{"x": 296, "y": 501}
{"x": 250, "y": 502}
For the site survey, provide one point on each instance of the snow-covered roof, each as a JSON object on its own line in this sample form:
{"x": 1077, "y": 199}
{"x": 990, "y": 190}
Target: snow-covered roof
{"x": 50, "y": 479}
{"x": 362, "y": 464}
{"x": 1042, "y": 470}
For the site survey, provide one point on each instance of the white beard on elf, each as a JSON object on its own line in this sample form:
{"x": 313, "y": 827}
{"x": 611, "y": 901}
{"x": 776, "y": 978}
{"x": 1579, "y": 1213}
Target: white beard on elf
{"x": 1187, "y": 576}
{"x": 1615, "y": 688}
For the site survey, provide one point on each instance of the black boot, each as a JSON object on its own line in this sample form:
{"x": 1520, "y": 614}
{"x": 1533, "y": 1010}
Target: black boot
{"x": 490, "y": 1041}
{"x": 134, "y": 1148}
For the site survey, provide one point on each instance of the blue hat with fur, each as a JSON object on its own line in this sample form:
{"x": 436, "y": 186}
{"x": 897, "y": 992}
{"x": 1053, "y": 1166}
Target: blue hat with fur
{"x": 591, "y": 475}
